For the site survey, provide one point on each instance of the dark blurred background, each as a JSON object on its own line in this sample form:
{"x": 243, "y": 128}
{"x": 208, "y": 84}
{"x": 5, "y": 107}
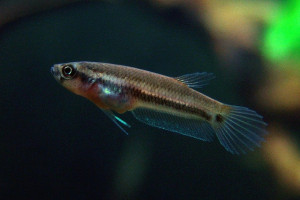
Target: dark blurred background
{"x": 55, "y": 145}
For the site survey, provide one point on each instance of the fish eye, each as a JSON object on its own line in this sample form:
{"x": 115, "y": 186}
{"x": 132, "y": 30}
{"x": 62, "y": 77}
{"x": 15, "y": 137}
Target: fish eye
{"x": 68, "y": 71}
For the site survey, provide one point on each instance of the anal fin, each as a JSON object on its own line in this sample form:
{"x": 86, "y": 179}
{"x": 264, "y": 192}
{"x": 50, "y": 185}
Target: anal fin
{"x": 195, "y": 128}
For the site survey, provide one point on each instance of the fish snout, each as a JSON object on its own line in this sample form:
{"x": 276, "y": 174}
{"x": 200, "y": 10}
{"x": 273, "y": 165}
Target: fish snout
{"x": 52, "y": 70}
{"x": 55, "y": 72}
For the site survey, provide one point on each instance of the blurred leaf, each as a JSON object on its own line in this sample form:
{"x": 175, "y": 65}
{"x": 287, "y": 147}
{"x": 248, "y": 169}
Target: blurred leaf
{"x": 282, "y": 36}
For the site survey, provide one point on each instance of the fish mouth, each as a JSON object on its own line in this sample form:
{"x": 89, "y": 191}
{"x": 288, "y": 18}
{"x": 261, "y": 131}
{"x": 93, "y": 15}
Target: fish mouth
{"x": 55, "y": 72}
{"x": 52, "y": 70}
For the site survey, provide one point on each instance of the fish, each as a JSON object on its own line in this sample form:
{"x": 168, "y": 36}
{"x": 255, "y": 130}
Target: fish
{"x": 170, "y": 103}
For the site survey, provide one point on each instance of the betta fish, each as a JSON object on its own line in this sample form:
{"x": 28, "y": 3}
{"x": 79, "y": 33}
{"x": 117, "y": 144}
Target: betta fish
{"x": 169, "y": 103}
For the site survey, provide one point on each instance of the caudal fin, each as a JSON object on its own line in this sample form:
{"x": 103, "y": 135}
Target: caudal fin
{"x": 240, "y": 130}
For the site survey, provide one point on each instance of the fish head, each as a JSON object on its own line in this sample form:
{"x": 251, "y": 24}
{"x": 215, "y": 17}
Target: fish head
{"x": 67, "y": 74}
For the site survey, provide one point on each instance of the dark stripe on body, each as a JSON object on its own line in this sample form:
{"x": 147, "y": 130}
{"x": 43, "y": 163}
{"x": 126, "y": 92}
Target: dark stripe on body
{"x": 151, "y": 98}
{"x": 84, "y": 77}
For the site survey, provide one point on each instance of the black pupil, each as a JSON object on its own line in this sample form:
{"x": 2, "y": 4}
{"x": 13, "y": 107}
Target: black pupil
{"x": 68, "y": 70}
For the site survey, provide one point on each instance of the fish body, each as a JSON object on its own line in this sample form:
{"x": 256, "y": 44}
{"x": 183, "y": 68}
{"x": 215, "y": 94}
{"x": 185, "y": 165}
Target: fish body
{"x": 164, "y": 102}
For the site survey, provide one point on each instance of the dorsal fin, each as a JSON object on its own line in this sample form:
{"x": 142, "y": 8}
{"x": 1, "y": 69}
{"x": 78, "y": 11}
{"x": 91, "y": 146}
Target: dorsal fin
{"x": 196, "y": 80}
